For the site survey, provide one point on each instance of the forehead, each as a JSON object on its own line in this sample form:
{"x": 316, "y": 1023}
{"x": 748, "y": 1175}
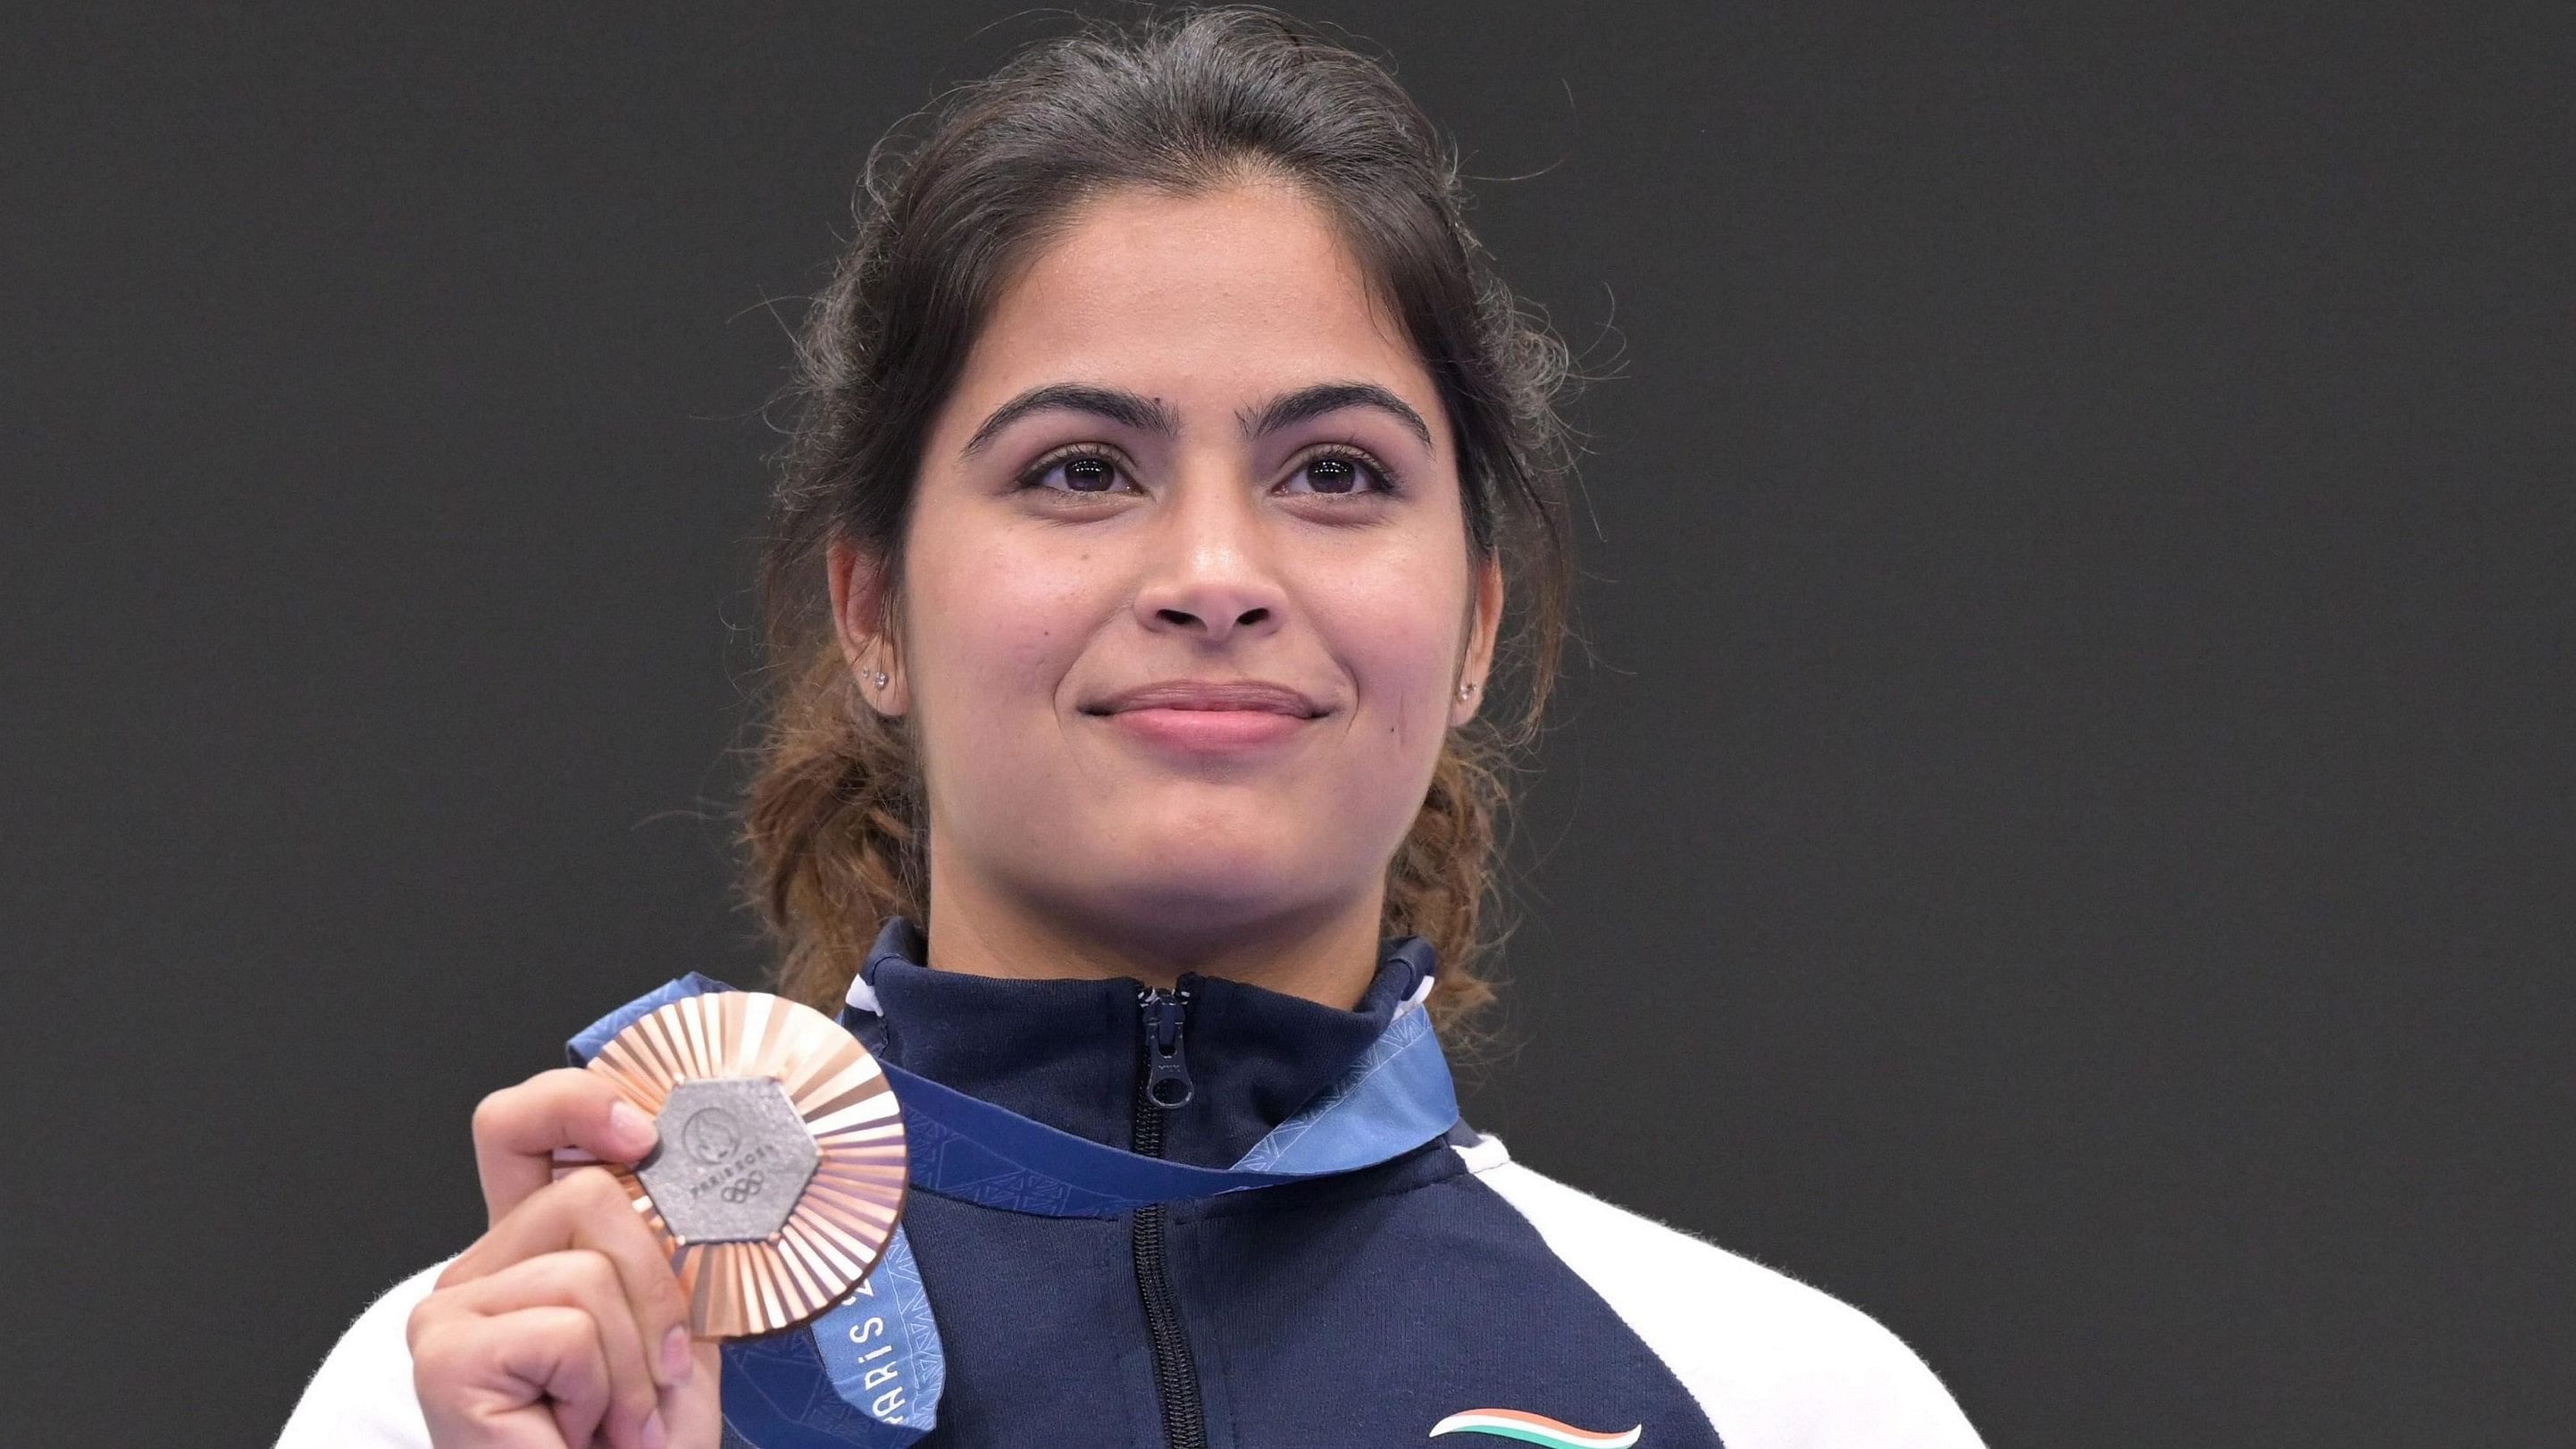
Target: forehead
{"x": 1215, "y": 297}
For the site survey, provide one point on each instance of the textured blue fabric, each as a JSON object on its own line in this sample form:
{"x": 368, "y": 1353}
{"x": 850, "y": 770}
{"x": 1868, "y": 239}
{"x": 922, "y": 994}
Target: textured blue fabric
{"x": 1356, "y": 1310}
{"x": 880, "y": 1351}
{"x": 1352, "y": 1310}
{"x": 1065, "y": 1052}
{"x": 591, "y": 1038}
{"x": 1395, "y": 1098}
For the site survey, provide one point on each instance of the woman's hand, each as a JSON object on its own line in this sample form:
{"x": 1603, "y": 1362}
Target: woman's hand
{"x": 563, "y": 1326}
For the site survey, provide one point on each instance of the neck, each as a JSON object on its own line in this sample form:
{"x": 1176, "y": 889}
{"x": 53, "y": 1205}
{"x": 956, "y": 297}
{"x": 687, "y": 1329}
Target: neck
{"x": 1327, "y": 955}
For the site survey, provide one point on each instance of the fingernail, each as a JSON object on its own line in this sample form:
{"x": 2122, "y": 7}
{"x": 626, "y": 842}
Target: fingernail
{"x": 632, "y": 1127}
{"x": 676, "y": 1363}
{"x": 652, "y": 1436}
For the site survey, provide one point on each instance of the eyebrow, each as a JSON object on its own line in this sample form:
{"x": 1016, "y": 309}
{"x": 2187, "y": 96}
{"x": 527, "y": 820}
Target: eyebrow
{"x": 1149, "y": 415}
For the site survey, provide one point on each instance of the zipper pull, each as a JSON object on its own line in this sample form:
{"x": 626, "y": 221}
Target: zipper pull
{"x": 1167, "y": 1072}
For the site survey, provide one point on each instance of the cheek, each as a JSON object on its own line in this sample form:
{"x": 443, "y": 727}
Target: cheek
{"x": 995, "y": 636}
{"x": 1399, "y": 641}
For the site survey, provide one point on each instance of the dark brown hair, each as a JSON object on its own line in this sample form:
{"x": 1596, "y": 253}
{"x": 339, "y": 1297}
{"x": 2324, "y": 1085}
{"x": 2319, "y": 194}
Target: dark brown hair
{"x": 1183, "y": 103}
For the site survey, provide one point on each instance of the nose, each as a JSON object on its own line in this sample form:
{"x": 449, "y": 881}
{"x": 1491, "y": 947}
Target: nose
{"x": 1209, "y": 572}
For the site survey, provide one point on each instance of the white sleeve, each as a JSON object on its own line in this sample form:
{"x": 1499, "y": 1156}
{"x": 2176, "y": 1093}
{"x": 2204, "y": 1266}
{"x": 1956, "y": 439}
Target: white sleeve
{"x": 361, "y": 1397}
{"x": 1774, "y": 1363}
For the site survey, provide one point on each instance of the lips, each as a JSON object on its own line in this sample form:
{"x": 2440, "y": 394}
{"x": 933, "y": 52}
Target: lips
{"x": 1258, "y": 696}
{"x": 1209, "y": 719}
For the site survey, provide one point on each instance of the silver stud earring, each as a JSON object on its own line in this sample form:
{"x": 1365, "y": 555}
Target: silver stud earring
{"x": 1466, "y": 689}
{"x": 880, "y": 678}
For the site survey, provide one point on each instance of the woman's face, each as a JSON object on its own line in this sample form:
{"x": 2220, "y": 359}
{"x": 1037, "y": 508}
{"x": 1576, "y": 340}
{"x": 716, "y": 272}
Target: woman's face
{"x": 1187, "y": 453}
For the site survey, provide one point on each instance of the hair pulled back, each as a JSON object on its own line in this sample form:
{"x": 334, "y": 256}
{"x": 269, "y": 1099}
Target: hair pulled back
{"x": 834, "y": 818}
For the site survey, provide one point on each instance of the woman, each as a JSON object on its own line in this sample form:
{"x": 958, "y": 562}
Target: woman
{"x": 1138, "y": 579}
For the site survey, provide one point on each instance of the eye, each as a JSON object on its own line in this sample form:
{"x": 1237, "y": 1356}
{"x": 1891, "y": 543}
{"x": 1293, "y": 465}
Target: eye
{"x": 1084, "y": 470}
{"x": 1337, "y": 471}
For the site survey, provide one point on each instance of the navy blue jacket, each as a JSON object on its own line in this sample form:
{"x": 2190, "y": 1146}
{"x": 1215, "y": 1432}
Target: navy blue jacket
{"x": 1448, "y": 1288}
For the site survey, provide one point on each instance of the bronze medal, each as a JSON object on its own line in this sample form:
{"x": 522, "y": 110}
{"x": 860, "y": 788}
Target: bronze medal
{"x": 781, "y": 1170}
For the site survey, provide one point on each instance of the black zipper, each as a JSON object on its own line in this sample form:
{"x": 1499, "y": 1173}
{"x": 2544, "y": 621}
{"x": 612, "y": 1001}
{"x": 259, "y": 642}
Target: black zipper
{"x": 1164, "y": 1083}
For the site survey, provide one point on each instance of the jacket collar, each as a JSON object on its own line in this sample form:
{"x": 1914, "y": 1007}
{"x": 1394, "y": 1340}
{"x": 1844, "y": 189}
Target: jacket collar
{"x": 1071, "y": 1053}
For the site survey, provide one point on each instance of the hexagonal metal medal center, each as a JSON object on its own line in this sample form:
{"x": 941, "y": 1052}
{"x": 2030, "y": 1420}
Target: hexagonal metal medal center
{"x": 733, "y": 1159}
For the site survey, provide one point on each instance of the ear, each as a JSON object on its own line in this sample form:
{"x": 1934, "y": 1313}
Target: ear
{"x": 1484, "y": 623}
{"x": 859, "y": 620}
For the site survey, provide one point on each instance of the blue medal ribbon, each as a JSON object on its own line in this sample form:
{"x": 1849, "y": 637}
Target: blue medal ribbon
{"x": 868, "y": 1370}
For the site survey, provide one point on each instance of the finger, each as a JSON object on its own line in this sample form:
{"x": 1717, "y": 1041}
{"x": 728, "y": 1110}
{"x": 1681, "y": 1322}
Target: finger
{"x": 590, "y": 1209}
{"x": 530, "y": 1379}
{"x": 517, "y": 1129}
{"x": 584, "y": 1279}
{"x": 694, "y": 1411}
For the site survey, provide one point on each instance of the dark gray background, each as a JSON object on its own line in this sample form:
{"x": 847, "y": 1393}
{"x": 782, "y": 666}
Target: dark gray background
{"x": 2067, "y": 846}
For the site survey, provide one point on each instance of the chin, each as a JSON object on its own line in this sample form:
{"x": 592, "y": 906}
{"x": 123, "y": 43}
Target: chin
{"x": 1211, "y": 821}
{"x": 1195, "y": 868}
{"x": 1200, "y": 911}
{"x": 1255, "y": 871}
